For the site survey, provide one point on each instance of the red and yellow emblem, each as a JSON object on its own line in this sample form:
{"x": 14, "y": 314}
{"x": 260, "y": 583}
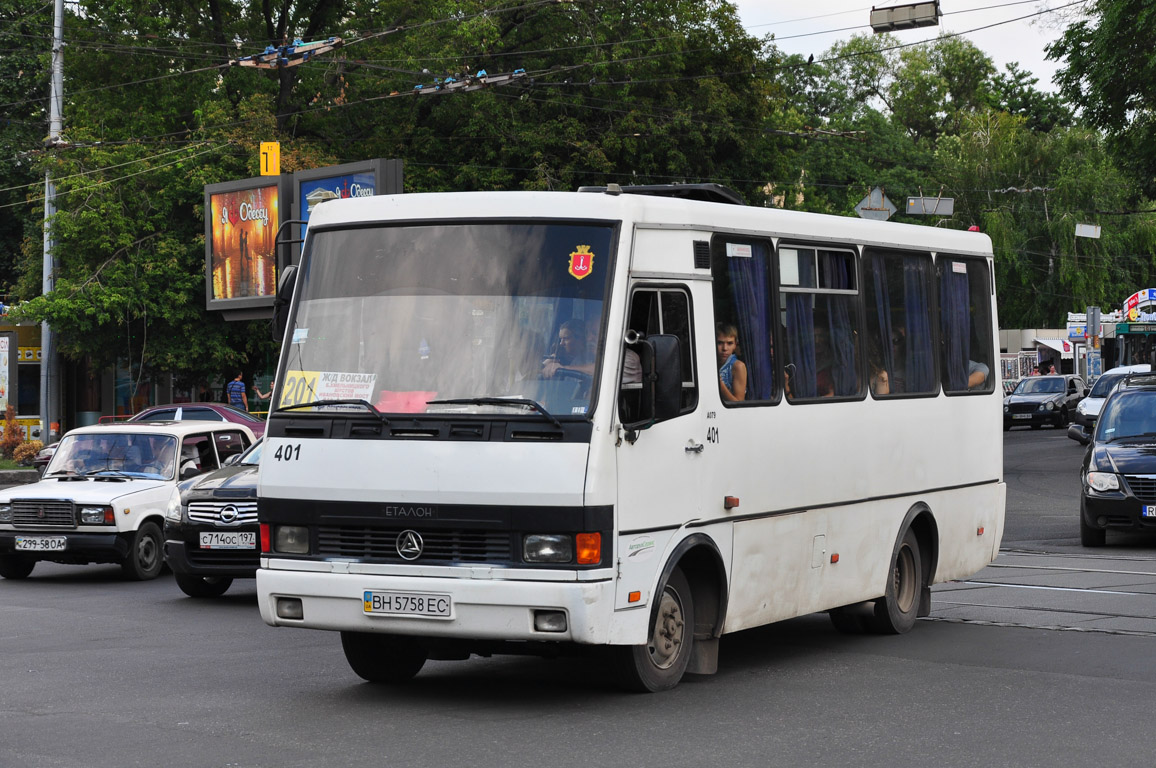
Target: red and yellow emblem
{"x": 581, "y": 262}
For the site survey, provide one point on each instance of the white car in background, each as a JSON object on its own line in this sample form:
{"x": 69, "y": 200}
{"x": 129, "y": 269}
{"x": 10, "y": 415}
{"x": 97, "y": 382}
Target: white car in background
{"x": 1088, "y": 409}
{"x": 104, "y": 494}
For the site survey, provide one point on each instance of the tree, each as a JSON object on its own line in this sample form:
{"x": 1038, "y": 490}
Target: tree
{"x": 1109, "y": 73}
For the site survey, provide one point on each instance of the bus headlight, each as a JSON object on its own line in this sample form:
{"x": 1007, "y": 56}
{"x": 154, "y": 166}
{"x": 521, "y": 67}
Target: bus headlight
{"x": 291, "y": 539}
{"x": 1103, "y": 481}
{"x": 548, "y": 548}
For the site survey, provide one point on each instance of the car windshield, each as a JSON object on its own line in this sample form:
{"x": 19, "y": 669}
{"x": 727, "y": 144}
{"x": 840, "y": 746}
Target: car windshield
{"x": 1036, "y": 386}
{"x": 135, "y": 455}
{"x": 484, "y": 317}
{"x": 1104, "y": 384}
{"x": 253, "y": 457}
{"x": 1128, "y": 414}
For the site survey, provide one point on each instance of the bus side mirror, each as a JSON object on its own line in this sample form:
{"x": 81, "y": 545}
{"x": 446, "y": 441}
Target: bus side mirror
{"x": 661, "y": 360}
{"x": 281, "y": 302}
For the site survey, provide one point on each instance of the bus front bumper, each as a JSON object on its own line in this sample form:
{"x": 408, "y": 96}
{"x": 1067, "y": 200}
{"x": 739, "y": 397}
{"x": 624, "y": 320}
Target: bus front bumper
{"x": 478, "y": 609}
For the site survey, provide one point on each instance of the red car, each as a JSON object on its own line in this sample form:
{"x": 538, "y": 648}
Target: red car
{"x": 202, "y": 412}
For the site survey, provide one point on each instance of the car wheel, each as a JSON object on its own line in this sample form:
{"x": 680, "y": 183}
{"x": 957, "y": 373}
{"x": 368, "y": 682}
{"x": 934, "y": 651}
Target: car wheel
{"x": 144, "y": 559}
{"x": 383, "y": 658}
{"x": 15, "y": 567}
{"x": 896, "y": 611}
{"x": 202, "y": 586}
{"x": 1091, "y": 536}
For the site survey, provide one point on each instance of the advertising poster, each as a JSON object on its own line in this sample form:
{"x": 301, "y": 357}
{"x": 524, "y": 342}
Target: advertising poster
{"x": 313, "y": 193}
{"x": 244, "y": 229}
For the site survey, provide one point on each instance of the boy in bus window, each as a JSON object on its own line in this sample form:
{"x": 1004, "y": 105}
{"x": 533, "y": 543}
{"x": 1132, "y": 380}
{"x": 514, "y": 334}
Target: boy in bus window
{"x": 732, "y": 372}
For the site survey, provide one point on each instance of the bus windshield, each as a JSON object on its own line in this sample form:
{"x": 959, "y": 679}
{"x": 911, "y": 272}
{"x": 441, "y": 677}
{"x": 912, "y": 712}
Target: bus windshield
{"x": 399, "y": 316}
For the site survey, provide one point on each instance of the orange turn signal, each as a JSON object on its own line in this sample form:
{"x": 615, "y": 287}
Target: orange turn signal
{"x": 730, "y": 502}
{"x": 979, "y": 531}
{"x": 589, "y": 548}
{"x": 835, "y": 558}
{"x": 634, "y": 597}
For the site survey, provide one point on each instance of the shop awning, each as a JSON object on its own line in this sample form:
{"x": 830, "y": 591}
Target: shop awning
{"x": 1063, "y": 346}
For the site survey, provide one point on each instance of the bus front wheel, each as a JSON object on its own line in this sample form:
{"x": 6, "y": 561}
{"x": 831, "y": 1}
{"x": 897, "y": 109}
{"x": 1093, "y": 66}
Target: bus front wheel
{"x": 896, "y": 611}
{"x": 660, "y": 664}
{"x": 383, "y": 658}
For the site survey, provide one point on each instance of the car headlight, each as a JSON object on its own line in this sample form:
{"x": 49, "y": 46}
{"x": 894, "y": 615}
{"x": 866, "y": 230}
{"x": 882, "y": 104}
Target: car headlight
{"x": 46, "y": 453}
{"x": 97, "y": 515}
{"x": 5, "y": 513}
{"x": 1082, "y": 407}
{"x": 548, "y": 548}
{"x": 173, "y": 508}
{"x": 1050, "y": 405}
{"x": 1103, "y": 481}
{"x": 1005, "y": 408}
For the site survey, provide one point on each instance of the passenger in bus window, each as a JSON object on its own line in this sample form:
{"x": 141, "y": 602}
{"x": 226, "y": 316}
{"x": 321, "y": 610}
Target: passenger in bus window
{"x": 732, "y": 372}
{"x": 880, "y": 384}
{"x": 569, "y": 351}
{"x": 977, "y": 374}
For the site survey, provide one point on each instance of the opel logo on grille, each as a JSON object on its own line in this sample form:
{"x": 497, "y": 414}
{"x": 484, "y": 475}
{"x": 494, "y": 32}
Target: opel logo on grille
{"x": 229, "y": 514}
{"x": 409, "y": 545}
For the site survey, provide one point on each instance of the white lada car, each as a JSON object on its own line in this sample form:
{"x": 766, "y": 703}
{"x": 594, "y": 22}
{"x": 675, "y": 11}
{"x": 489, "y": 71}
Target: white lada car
{"x": 102, "y": 498}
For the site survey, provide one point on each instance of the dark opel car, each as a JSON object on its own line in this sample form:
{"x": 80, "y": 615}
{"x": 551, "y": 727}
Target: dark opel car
{"x": 1039, "y": 400}
{"x": 211, "y": 538}
{"x": 1119, "y": 471}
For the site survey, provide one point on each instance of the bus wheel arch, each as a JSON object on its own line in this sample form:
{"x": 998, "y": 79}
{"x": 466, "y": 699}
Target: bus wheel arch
{"x": 689, "y": 603}
{"x": 907, "y": 593}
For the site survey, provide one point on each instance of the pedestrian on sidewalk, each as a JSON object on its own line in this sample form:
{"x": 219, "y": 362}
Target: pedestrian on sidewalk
{"x": 235, "y": 390}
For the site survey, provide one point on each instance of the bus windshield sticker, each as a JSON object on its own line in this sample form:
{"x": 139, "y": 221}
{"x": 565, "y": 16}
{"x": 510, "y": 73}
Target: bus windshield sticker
{"x": 581, "y": 262}
{"x": 959, "y": 267}
{"x": 333, "y": 385}
{"x": 738, "y": 251}
{"x": 300, "y": 335}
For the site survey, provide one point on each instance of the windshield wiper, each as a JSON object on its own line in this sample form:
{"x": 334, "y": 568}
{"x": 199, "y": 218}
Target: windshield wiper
{"x": 323, "y": 403}
{"x": 521, "y": 402}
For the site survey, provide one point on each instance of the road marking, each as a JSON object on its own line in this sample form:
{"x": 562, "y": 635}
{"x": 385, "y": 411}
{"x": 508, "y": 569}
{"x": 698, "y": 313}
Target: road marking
{"x": 1056, "y": 589}
{"x": 1075, "y": 570}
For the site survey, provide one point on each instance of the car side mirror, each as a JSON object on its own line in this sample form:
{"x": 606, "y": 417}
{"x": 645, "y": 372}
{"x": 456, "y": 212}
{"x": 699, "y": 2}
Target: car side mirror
{"x": 1077, "y": 433}
{"x": 231, "y": 460}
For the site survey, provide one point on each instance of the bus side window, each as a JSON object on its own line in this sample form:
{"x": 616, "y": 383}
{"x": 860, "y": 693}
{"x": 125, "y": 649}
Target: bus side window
{"x": 819, "y": 296}
{"x": 965, "y": 324}
{"x": 740, "y": 271}
{"x": 654, "y": 311}
{"x": 897, "y": 290}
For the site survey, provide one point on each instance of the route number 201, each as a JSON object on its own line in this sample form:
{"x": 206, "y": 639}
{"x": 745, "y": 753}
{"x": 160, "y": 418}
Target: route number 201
{"x": 288, "y": 452}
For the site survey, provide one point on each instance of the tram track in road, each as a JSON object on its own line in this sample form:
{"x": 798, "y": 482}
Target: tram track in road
{"x": 1109, "y": 593}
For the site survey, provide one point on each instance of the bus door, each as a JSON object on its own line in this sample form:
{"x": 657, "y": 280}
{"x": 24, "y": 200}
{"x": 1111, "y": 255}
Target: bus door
{"x": 659, "y": 485}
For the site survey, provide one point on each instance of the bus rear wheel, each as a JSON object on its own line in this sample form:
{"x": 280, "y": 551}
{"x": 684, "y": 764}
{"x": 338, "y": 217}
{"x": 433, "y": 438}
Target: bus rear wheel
{"x": 896, "y": 611}
{"x": 383, "y": 658}
{"x": 661, "y": 663}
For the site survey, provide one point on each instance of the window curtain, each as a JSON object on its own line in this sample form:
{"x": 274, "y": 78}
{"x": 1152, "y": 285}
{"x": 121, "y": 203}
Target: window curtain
{"x": 917, "y": 307}
{"x": 750, "y": 291}
{"x": 956, "y": 326}
{"x": 843, "y": 368}
{"x": 801, "y": 335}
{"x": 877, "y": 267}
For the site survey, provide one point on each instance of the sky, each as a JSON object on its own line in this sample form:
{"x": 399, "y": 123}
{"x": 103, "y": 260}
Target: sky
{"x": 809, "y": 28}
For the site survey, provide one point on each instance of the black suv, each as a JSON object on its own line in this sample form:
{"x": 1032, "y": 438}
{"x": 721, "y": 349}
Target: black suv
{"x": 213, "y": 536}
{"x": 1118, "y": 477}
{"x": 1039, "y": 400}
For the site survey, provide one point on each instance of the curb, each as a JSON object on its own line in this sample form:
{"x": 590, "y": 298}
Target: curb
{"x": 18, "y": 476}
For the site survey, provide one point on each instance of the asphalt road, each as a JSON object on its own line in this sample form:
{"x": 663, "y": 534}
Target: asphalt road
{"x": 1043, "y": 659}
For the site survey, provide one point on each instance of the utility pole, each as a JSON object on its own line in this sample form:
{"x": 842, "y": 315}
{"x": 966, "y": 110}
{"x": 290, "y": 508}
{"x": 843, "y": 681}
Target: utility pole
{"x": 49, "y": 376}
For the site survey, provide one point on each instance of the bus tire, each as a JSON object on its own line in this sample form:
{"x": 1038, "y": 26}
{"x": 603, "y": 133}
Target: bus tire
{"x": 144, "y": 560}
{"x": 383, "y": 658}
{"x": 202, "y": 586}
{"x": 660, "y": 664}
{"x": 16, "y": 567}
{"x": 896, "y": 611}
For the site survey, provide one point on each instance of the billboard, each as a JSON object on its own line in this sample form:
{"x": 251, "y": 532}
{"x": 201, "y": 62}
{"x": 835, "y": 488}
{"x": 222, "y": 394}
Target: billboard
{"x": 335, "y": 182}
{"x": 241, "y": 259}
